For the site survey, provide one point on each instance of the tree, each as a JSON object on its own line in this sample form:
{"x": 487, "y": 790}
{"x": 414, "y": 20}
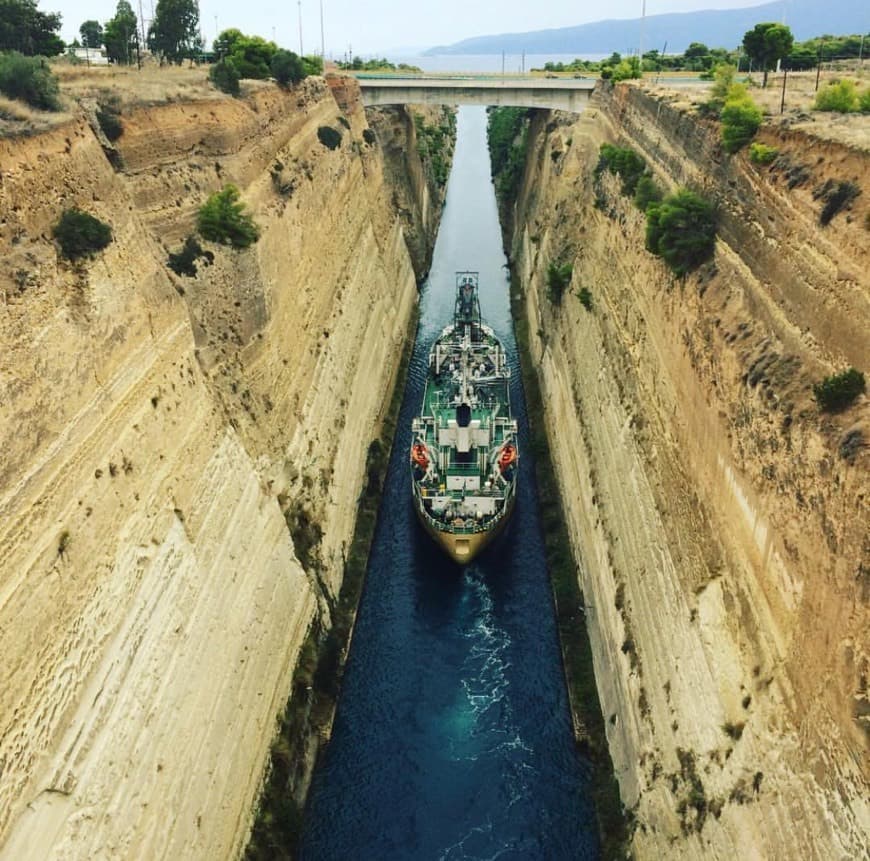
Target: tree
{"x": 224, "y": 44}
{"x": 25, "y": 29}
{"x": 92, "y": 34}
{"x": 766, "y": 43}
{"x": 697, "y": 56}
{"x": 121, "y": 34}
{"x": 287, "y": 68}
{"x": 174, "y": 32}
{"x": 224, "y": 75}
{"x": 79, "y": 234}
{"x": 682, "y": 230}
{"x": 222, "y": 218}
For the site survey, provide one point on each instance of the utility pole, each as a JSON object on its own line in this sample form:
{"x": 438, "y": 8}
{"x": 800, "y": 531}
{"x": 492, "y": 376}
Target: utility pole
{"x": 782, "y": 103}
{"x": 502, "y": 68}
{"x": 141, "y": 38}
{"x": 642, "y": 23}
{"x": 524, "y": 63}
{"x": 322, "y": 37}
{"x": 301, "y": 54}
{"x": 819, "y": 67}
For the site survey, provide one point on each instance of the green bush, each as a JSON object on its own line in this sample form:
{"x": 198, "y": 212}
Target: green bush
{"x": 723, "y": 81}
{"x": 222, "y": 219}
{"x": 30, "y": 80}
{"x": 864, "y": 101}
{"x": 225, "y": 76}
{"x": 624, "y": 70}
{"x": 682, "y": 230}
{"x": 760, "y": 153}
{"x": 625, "y": 163}
{"x": 312, "y": 65}
{"x": 329, "y": 137}
{"x": 839, "y": 390}
{"x": 741, "y": 118}
{"x": 646, "y": 192}
{"x": 80, "y": 234}
{"x": 558, "y": 278}
{"x": 287, "y": 68}
{"x": 585, "y": 297}
{"x": 840, "y": 96}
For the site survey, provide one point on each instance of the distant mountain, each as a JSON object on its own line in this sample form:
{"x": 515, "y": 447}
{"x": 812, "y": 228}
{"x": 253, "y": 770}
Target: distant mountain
{"x": 713, "y": 27}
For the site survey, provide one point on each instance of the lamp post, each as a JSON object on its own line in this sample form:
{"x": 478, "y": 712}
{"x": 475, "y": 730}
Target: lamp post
{"x": 301, "y": 52}
{"x": 322, "y": 38}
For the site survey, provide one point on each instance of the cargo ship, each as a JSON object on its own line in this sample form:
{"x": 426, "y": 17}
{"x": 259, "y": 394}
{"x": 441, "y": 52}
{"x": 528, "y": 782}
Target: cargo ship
{"x": 464, "y": 449}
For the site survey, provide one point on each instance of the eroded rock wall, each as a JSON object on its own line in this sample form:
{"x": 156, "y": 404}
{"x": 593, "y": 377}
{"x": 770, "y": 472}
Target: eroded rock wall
{"x": 718, "y": 519}
{"x": 157, "y": 434}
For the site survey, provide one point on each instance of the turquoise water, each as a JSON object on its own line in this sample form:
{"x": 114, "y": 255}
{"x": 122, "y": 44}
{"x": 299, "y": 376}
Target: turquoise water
{"x": 453, "y": 738}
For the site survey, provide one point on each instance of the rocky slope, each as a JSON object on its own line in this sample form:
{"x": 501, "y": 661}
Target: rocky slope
{"x": 718, "y": 519}
{"x": 158, "y": 435}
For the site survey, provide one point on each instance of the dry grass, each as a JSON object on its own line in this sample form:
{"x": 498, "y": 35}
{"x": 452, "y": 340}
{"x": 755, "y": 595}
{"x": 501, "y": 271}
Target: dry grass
{"x": 150, "y": 85}
{"x": 18, "y": 118}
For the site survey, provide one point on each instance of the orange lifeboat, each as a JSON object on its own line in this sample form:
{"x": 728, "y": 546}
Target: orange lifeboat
{"x": 507, "y": 457}
{"x": 420, "y": 456}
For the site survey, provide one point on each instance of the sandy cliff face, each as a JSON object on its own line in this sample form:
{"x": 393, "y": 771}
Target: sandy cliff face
{"x": 719, "y": 521}
{"x": 151, "y": 602}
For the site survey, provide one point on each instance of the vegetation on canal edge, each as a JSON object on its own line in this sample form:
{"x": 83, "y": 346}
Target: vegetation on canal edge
{"x": 613, "y": 823}
{"x": 506, "y": 134}
{"x": 317, "y": 678}
{"x": 435, "y": 142}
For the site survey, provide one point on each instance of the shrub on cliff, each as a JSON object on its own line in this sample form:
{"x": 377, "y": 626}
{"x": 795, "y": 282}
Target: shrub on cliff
{"x": 329, "y": 137}
{"x": 839, "y": 390}
{"x": 225, "y": 76}
{"x": 646, "y": 192}
{"x": 741, "y": 118}
{"x": 681, "y": 230}
{"x": 760, "y": 153}
{"x": 79, "y": 234}
{"x": 625, "y": 163}
{"x": 864, "y": 101}
{"x": 287, "y": 68}
{"x": 558, "y": 278}
{"x": 839, "y": 96}
{"x": 723, "y": 81}
{"x": 30, "y": 80}
{"x": 222, "y": 218}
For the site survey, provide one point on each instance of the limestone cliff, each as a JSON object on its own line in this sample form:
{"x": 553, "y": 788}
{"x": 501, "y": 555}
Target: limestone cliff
{"x": 152, "y": 605}
{"x": 719, "y": 520}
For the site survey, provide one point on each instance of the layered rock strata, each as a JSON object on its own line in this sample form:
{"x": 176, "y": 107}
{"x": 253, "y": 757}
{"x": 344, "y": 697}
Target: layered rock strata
{"x": 152, "y": 605}
{"x": 719, "y": 520}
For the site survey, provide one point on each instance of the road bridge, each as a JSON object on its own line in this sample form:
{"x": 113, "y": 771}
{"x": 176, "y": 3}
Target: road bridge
{"x": 563, "y": 94}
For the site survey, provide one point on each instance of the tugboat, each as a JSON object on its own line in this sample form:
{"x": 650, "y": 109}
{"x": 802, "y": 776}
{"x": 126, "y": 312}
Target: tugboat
{"x": 464, "y": 453}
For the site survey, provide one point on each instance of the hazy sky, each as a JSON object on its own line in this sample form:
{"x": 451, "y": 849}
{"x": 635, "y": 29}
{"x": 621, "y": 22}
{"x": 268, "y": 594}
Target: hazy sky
{"x": 376, "y": 26}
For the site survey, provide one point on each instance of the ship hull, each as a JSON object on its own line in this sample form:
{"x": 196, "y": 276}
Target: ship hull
{"x": 462, "y": 549}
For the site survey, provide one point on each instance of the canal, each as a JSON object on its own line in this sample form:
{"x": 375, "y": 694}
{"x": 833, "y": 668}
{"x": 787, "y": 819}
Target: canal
{"x": 453, "y": 738}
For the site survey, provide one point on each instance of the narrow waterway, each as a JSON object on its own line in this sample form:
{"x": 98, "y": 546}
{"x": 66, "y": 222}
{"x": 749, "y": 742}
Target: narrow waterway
{"x": 453, "y": 737}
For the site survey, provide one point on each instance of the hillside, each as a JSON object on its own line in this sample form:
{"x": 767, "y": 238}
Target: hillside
{"x": 714, "y": 27}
